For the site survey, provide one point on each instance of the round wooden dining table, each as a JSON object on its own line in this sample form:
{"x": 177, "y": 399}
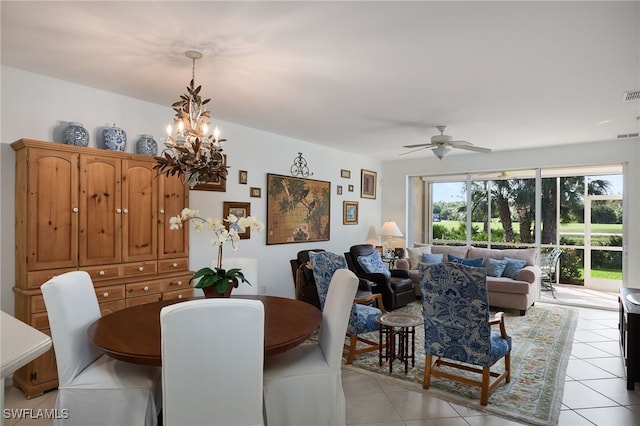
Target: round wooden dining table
{"x": 133, "y": 334}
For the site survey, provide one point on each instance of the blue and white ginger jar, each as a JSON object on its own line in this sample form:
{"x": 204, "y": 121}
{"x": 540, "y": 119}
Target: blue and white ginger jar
{"x": 75, "y": 134}
{"x": 114, "y": 138}
{"x": 146, "y": 145}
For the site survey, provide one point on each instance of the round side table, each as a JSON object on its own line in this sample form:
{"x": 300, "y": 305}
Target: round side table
{"x": 395, "y": 330}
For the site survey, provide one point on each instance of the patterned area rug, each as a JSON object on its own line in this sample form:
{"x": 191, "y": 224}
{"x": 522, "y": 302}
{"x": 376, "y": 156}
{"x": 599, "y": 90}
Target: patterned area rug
{"x": 542, "y": 341}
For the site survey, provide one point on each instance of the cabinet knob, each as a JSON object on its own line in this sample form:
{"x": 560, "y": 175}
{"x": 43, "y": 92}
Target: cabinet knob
{"x": 75, "y": 210}
{"x": 161, "y": 211}
{"x": 146, "y": 288}
{"x": 140, "y": 268}
{"x": 105, "y": 294}
{"x": 179, "y": 282}
{"x": 126, "y": 211}
{"x": 101, "y": 273}
{"x": 179, "y": 296}
{"x": 118, "y": 211}
{"x": 175, "y": 265}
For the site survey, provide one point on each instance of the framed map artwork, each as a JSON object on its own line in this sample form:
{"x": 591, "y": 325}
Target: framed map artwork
{"x": 298, "y": 210}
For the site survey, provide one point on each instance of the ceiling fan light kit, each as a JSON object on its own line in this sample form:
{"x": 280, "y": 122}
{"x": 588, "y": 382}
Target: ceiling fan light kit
{"x": 442, "y": 144}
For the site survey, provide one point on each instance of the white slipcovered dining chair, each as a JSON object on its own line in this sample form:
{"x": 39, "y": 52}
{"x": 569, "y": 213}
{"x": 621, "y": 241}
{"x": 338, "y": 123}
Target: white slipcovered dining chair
{"x": 249, "y": 268}
{"x": 212, "y": 373}
{"x": 94, "y": 388}
{"x": 303, "y": 386}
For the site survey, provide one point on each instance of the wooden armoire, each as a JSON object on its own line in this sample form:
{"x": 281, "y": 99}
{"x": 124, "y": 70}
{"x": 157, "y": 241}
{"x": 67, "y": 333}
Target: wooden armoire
{"x": 99, "y": 211}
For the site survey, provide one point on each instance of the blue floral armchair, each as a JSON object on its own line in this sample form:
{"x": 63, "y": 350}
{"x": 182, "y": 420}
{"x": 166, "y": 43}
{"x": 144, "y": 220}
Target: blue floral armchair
{"x": 457, "y": 327}
{"x": 362, "y": 318}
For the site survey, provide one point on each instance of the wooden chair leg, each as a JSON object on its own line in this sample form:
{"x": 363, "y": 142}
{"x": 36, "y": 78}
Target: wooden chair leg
{"x": 353, "y": 340}
{"x": 426, "y": 381}
{"x": 507, "y": 367}
{"x": 484, "y": 394}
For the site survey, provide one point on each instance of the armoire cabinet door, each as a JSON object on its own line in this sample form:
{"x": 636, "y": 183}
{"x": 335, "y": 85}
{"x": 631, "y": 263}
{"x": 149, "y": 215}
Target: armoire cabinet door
{"x": 51, "y": 210}
{"x": 173, "y": 196}
{"x": 100, "y": 210}
{"x": 139, "y": 201}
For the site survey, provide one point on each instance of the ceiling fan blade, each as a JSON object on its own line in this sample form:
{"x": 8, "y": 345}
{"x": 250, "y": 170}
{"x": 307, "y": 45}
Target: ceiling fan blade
{"x": 409, "y": 152}
{"x": 473, "y": 148}
{"x": 424, "y": 145}
{"x": 459, "y": 143}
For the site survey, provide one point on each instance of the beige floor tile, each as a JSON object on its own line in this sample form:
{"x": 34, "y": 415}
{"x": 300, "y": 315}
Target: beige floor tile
{"x": 580, "y": 369}
{"x": 618, "y": 416}
{"x": 615, "y": 389}
{"x": 413, "y": 405}
{"x": 578, "y": 395}
{"x": 571, "y": 418}
{"x": 372, "y": 408}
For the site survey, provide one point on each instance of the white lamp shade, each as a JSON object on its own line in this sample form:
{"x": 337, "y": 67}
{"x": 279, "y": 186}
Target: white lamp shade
{"x": 390, "y": 229}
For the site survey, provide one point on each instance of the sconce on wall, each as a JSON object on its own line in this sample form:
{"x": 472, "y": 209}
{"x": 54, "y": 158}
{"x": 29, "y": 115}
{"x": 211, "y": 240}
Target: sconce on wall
{"x": 300, "y": 167}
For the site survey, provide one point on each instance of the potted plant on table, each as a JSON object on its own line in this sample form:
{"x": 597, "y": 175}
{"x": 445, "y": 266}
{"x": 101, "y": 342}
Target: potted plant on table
{"x": 218, "y": 282}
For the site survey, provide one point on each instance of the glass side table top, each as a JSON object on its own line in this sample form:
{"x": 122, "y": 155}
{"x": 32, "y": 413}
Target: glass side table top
{"x": 397, "y": 319}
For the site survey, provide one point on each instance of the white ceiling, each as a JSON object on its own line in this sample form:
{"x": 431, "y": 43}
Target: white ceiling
{"x": 366, "y": 77}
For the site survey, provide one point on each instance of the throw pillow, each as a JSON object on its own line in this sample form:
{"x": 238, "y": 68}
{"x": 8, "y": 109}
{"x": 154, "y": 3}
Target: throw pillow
{"x": 431, "y": 258}
{"x": 415, "y": 255}
{"x": 468, "y": 262}
{"x": 495, "y": 267}
{"x": 372, "y": 264}
{"x": 513, "y": 267}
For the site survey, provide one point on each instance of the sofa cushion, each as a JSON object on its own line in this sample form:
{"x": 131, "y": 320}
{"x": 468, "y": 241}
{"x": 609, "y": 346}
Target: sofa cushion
{"x": 526, "y": 254}
{"x": 495, "y": 267}
{"x": 431, "y": 258}
{"x": 477, "y": 262}
{"x": 372, "y": 264}
{"x": 507, "y": 285}
{"x": 513, "y": 267}
{"x": 459, "y": 251}
{"x": 415, "y": 255}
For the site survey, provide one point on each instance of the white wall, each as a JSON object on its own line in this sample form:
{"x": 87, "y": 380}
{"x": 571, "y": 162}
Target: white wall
{"x": 394, "y": 203}
{"x": 38, "y": 107}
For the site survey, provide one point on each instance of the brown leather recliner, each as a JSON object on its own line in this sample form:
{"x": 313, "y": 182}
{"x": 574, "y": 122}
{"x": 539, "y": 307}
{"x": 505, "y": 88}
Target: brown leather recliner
{"x": 305, "y": 285}
{"x": 396, "y": 290}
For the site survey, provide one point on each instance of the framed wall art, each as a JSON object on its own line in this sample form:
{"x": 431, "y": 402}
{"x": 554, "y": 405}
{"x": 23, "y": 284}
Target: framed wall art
{"x": 339, "y": 189}
{"x": 298, "y": 210}
{"x": 219, "y": 184}
{"x": 255, "y": 192}
{"x": 242, "y": 177}
{"x": 368, "y": 184}
{"x": 345, "y": 173}
{"x": 350, "y": 187}
{"x": 349, "y": 212}
{"x": 239, "y": 210}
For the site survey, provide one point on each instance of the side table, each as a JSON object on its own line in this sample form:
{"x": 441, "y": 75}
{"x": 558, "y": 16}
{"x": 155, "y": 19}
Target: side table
{"x": 395, "y": 330}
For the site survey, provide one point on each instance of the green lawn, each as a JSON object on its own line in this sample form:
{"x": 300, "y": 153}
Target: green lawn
{"x": 565, "y": 227}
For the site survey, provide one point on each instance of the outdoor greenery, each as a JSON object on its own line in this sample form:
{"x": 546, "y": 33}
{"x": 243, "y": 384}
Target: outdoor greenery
{"x": 512, "y": 216}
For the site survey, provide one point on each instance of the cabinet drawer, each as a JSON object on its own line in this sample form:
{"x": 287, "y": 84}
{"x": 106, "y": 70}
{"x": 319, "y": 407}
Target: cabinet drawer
{"x": 171, "y": 265}
{"x": 37, "y": 278}
{"x": 177, "y": 283}
{"x": 108, "y": 307}
{"x": 37, "y": 304}
{"x": 139, "y": 268}
{"x": 40, "y": 320}
{"x": 178, "y": 294}
{"x": 144, "y": 288}
{"x": 111, "y": 293}
{"x": 134, "y": 301}
{"x": 103, "y": 272}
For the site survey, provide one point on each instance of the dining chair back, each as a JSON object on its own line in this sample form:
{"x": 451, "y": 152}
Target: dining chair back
{"x": 212, "y": 375}
{"x": 249, "y": 268}
{"x": 93, "y": 388}
{"x": 303, "y": 386}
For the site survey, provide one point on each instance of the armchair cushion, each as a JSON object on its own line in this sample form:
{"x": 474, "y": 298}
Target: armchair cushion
{"x": 363, "y": 319}
{"x": 514, "y": 266}
{"x": 372, "y": 263}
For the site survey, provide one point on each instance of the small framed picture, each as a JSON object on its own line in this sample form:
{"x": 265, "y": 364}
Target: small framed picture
{"x": 255, "y": 192}
{"x": 350, "y": 188}
{"x": 349, "y": 212}
{"x": 345, "y": 173}
{"x": 339, "y": 189}
{"x": 368, "y": 184}
{"x": 239, "y": 210}
{"x": 242, "y": 177}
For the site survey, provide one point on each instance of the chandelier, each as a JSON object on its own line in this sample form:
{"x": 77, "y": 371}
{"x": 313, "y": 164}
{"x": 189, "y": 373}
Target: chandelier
{"x": 193, "y": 151}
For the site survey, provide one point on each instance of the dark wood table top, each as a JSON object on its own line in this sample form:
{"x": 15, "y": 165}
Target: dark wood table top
{"x": 133, "y": 334}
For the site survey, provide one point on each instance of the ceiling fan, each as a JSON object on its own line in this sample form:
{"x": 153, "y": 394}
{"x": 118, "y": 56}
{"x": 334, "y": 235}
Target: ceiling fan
{"x": 442, "y": 144}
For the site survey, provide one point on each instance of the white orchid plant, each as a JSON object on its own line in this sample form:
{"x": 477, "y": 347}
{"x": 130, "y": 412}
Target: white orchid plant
{"x": 217, "y": 276}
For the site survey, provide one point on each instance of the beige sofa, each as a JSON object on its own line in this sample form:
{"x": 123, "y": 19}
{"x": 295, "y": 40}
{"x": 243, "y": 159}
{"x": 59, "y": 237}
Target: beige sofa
{"x": 504, "y": 292}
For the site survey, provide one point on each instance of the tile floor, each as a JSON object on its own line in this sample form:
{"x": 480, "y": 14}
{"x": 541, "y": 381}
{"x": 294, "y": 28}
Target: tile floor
{"x": 595, "y": 390}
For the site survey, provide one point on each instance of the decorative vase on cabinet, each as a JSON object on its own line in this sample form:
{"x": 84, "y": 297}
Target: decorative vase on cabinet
{"x": 146, "y": 145}
{"x": 114, "y": 138}
{"x": 75, "y": 134}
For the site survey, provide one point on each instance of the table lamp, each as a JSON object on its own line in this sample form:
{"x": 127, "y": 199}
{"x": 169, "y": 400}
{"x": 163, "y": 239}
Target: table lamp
{"x": 390, "y": 229}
